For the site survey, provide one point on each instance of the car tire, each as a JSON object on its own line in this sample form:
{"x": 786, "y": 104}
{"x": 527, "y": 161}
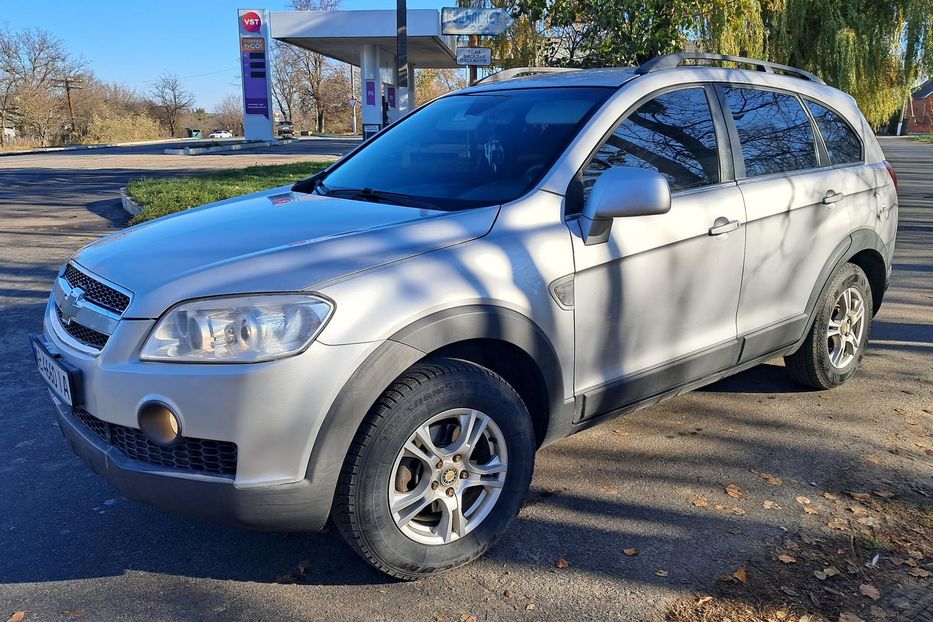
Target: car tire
{"x": 382, "y": 472}
{"x": 836, "y": 343}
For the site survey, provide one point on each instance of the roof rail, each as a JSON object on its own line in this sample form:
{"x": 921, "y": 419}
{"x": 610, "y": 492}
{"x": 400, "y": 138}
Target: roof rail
{"x": 675, "y": 60}
{"x": 520, "y": 72}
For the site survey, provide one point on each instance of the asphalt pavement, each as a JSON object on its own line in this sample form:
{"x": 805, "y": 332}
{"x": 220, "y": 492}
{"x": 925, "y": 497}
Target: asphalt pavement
{"x": 71, "y": 547}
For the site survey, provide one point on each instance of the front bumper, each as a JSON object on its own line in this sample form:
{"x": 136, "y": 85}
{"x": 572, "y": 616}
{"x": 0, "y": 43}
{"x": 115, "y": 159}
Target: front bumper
{"x": 298, "y": 506}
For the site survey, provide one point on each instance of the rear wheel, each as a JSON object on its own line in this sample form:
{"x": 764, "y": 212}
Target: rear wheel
{"x": 437, "y": 471}
{"x": 836, "y": 343}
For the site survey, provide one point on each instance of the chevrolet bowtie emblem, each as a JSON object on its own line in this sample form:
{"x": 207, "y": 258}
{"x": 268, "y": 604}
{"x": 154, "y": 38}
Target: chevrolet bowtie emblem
{"x": 71, "y": 305}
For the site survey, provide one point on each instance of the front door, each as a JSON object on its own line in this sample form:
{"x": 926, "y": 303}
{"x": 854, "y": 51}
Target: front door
{"x": 655, "y": 305}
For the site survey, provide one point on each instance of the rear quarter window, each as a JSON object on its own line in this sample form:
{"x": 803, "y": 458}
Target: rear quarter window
{"x": 842, "y": 143}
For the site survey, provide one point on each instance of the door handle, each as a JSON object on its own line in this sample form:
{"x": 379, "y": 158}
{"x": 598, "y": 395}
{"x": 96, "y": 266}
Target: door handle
{"x": 832, "y": 197}
{"x": 722, "y": 226}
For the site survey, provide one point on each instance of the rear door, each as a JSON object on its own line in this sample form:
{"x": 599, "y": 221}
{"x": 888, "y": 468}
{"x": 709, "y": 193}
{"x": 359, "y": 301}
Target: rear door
{"x": 795, "y": 205}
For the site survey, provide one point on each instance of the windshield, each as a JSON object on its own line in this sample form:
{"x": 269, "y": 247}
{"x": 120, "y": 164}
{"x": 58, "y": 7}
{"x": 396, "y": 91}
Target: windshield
{"x": 467, "y": 150}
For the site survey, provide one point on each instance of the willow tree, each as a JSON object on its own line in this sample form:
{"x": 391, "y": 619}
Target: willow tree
{"x": 875, "y": 50}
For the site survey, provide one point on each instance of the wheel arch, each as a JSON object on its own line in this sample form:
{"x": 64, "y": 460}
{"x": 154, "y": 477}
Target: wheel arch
{"x": 505, "y": 341}
{"x": 864, "y": 248}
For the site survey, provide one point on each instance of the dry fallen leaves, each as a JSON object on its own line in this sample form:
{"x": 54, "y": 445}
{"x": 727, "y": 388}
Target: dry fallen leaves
{"x": 701, "y": 502}
{"x": 17, "y": 616}
{"x": 831, "y": 496}
{"x": 803, "y": 500}
{"x": 740, "y": 575}
{"x": 787, "y": 559}
{"x": 508, "y": 593}
{"x": 847, "y": 616}
{"x": 774, "y": 480}
{"x": 860, "y": 496}
{"x": 467, "y": 617}
{"x": 703, "y": 600}
{"x": 733, "y": 491}
{"x": 561, "y": 563}
{"x": 770, "y": 505}
{"x": 870, "y": 591}
{"x": 809, "y": 510}
{"x": 829, "y": 571}
{"x": 621, "y": 433}
{"x": 632, "y": 552}
{"x": 920, "y": 573}
{"x": 530, "y": 607}
{"x": 838, "y": 523}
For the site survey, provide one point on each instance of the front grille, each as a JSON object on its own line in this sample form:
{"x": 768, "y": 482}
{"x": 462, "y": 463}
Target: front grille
{"x": 189, "y": 454}
{"x": 87, "y": 336}
{"x": 97, "y": 292}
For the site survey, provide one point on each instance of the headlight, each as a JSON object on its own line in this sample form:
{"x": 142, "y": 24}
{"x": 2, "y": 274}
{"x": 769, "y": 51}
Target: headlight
{"x": 241, "y": 329}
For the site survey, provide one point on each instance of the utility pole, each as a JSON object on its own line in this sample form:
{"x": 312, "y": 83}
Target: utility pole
{"x": 474, "y": 42}
{"x": 401, "y": 52}
{"x": 68, "y": 83}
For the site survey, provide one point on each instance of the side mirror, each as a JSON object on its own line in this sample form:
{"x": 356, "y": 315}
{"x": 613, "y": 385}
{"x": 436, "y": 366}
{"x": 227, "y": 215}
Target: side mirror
{"x": 621, "y": 192}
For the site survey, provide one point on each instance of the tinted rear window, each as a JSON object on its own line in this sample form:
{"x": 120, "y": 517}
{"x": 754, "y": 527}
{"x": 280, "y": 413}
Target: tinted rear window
{"x": 841, "y": 140}
{"x": 774, "y": 131}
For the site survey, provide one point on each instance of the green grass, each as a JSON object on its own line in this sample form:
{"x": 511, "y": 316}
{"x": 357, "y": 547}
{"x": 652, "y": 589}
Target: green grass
{"x": 924, "y": 138}
{"x": 160, "y": 197}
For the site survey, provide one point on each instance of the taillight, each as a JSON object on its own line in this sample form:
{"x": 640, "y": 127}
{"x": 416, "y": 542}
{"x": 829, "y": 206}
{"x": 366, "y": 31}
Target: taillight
{"x": 887, "y": 165}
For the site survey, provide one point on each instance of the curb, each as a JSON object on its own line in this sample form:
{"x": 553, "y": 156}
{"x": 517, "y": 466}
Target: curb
{"x": 221, "y": 148}
{"x": 130, "y": 206}
{"x": 98, "y": 146}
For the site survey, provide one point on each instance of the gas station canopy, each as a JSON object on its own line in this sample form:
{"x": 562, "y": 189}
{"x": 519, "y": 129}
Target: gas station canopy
{"x": 342, "y": 34}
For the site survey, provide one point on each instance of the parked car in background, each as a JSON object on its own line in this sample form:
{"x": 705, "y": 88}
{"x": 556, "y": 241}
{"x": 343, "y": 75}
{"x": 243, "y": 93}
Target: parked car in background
{"x": 286, "y": 128}
{"x": 221, "y": 134}
{"x": 389, "y": 342}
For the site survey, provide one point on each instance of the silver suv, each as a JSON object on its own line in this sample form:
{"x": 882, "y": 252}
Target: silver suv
{"x": 389, "y": 342}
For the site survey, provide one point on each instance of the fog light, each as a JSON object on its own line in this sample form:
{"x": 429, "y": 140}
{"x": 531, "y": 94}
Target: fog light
{"x": 159, "y": 423}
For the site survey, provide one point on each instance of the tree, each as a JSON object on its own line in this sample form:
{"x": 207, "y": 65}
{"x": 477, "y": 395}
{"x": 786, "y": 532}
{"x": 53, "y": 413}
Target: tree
{"x": 606, "y": 33}
{"x": 229, "y": 114}
{"x": 875, "y": 50}
{"x": 32, "y": 64}
{"x": 169, "y": 98}
{"x": 303, "y": 82}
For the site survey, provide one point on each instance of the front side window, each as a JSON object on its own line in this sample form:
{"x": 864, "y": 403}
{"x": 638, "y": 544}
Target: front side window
{"x": 672, "y": 134}
{"x": 774, "y": 131}
{"x": 467, "y": 150}
{"x": 842, "y": 142}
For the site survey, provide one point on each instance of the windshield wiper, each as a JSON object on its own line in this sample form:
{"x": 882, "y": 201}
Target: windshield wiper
{"x": 378, "y": 196}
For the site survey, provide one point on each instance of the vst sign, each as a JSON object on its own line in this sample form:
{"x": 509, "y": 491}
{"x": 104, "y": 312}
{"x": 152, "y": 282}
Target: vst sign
{"x": 250, "y": 21}
{"x": 254, "y": 69}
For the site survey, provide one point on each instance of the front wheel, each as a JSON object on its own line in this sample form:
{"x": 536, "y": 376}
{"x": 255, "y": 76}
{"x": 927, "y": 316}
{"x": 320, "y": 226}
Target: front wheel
{"x": 833, "y": 349}
{"x": 437, "y": 471}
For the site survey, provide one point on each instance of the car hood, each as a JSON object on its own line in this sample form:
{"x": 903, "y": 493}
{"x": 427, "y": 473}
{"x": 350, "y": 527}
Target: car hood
{"x": 272, "y": 241}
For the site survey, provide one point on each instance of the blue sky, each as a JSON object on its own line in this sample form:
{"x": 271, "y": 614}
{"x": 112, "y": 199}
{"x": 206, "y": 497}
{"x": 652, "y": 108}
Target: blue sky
{"x": 133, "y": 41}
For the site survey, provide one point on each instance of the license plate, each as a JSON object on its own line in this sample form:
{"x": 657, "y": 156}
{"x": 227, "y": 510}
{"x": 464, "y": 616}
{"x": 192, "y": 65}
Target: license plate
{"x": 61, "y": 377}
